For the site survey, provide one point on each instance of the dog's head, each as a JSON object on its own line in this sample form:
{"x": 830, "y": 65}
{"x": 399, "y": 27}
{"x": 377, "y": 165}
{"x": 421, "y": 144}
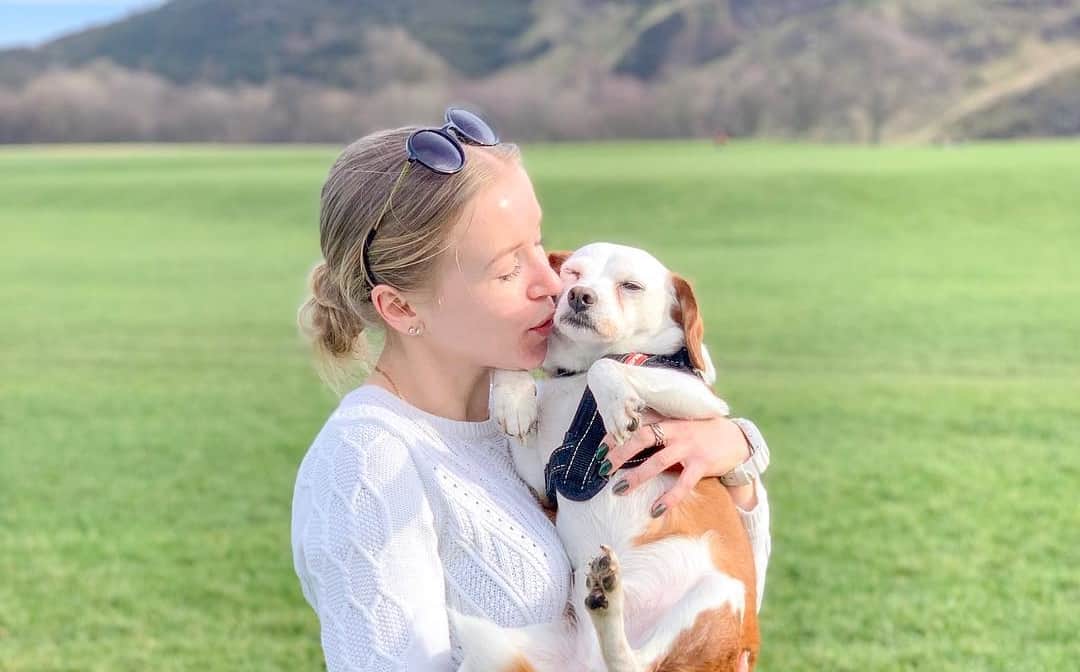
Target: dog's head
{"x": 622, "y": 299}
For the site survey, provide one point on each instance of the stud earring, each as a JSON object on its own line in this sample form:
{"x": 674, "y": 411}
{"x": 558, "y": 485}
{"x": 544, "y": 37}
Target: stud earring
{"x": 416, "y": 331}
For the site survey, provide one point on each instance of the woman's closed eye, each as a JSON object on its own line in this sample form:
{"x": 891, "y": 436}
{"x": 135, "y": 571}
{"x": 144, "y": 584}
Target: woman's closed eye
{"x": 516, "y": 271}
{"x": 512, "y": 274}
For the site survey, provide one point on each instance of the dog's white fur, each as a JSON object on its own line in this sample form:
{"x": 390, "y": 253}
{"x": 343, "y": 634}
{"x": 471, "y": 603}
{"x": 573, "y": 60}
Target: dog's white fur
{"x": 662, "y": 585}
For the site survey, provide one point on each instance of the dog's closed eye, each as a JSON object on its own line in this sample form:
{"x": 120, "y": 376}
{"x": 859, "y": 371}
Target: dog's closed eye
{"x": 632, "y": 286}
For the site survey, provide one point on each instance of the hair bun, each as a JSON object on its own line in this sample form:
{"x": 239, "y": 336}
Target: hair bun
{"x": 327, "y": 318}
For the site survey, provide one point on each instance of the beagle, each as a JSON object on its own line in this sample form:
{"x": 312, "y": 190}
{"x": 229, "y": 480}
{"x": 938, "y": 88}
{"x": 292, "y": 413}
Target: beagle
{"x": 668, "y": 594}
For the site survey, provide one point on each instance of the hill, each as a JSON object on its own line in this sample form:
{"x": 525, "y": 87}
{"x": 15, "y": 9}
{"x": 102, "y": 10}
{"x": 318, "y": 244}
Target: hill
{"x": 850, "y": 70}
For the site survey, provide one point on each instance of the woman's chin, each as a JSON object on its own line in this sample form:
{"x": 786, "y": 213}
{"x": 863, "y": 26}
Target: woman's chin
{"x": 533, "y": 355}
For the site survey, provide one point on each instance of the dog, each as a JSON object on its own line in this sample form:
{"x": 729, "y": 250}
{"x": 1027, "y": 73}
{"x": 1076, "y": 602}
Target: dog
{"x": 664, "y": 595}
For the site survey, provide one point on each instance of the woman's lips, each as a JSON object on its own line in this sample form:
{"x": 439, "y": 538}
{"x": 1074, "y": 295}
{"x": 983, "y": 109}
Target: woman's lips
{"x": 544, "y": 328}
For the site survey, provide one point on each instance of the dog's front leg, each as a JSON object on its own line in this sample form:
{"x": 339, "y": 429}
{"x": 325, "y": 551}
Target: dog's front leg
{"x": 673, "y": 393}
{"x": 514, "y": 403}
{"x": 622, "y": 391}
{"x": 619, "y": 404}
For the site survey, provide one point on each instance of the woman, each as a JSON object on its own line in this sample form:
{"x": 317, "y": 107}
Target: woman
{"x": 407, "y": 502}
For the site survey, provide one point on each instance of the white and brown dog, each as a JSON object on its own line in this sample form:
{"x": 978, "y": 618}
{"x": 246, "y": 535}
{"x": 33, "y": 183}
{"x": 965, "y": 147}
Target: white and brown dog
{"x": 667, "y": 594}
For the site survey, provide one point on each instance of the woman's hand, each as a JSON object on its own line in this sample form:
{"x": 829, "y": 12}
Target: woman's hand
{"x": 700, "y": 447}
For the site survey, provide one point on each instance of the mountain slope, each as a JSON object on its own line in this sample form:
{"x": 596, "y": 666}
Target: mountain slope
{"x": 253, "y": 41}
{"x": 825, "y": 69}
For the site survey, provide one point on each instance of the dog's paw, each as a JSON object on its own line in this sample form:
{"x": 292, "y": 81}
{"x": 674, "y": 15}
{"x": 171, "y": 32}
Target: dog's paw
{"x": 619, "y": 404}
{"x": 515, "y": 405}
{"x": 621, "y": 421}
{"x": 602, "y": 580}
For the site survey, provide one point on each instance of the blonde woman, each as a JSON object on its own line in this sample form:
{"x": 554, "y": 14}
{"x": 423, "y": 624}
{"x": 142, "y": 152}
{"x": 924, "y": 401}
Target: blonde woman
{"x": 407, "y": 503}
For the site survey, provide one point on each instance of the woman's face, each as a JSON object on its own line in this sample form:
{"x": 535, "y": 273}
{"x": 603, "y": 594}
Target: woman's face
{"x": 495, "y": 289}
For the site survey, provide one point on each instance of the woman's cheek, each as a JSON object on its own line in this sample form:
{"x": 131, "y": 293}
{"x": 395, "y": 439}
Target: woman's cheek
{"x": 512, "y": 308}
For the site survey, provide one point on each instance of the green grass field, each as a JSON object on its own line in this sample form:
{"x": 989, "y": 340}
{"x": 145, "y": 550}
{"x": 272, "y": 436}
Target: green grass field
{"x": 903, "y": 324}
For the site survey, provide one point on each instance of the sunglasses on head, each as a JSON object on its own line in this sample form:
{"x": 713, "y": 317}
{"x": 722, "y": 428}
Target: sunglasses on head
{"x": 439, "y": 150}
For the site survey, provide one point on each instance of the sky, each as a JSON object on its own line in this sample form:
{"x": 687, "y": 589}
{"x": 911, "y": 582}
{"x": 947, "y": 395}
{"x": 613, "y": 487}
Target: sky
{"x": 31, "y": 22}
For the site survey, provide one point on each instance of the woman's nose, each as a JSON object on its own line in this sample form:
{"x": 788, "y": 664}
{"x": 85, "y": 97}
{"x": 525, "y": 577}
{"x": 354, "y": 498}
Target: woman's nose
{"x": 548, "y": 283}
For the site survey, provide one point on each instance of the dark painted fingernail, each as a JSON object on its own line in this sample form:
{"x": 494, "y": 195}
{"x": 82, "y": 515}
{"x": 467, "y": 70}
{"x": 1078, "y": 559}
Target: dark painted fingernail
{"x": 633, "y": 425}
{"x": 658, "y": 509}
{"x": 601, "y": 451}
{"x": 605, "y": 468}
{"x": 621, "y": 487}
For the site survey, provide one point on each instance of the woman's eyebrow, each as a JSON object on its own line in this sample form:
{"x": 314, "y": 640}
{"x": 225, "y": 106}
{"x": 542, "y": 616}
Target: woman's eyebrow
{"x": 502, "y": 254}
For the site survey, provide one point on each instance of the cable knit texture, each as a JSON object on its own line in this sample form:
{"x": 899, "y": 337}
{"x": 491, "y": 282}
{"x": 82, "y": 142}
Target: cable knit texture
{"x": 756, "y": 522}
{"x": 400, "y": 515}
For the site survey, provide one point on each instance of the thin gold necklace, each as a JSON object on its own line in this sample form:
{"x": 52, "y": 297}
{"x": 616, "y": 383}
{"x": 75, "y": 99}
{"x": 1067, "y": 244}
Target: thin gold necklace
{"x": 390, "y": 380}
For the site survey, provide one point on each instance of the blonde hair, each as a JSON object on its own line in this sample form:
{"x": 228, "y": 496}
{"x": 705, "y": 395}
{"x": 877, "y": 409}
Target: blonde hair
{"x": 412, "y": 210}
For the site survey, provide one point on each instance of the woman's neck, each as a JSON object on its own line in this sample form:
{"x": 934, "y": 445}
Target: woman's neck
{"x": 435, "y": 383}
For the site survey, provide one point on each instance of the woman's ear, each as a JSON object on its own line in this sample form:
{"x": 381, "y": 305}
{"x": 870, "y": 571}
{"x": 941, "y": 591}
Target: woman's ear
{"x": 393, "y": 308}
{"x": 557, "y": 258}
{"x": 685, "y": 312}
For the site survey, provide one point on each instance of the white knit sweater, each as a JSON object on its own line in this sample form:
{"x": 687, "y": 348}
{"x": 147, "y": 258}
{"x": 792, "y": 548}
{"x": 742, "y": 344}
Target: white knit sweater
{"x": 399, "y": 514}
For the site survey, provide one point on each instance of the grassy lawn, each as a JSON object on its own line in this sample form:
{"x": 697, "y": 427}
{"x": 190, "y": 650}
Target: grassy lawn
{"x": 903, "y": 324}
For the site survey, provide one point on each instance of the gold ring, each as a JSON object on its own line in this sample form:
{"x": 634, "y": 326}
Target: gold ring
{"x": 658, "y": 432}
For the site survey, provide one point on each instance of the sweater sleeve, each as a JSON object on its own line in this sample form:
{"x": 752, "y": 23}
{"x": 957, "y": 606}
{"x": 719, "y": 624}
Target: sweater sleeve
{"x": 756, "y": 522}
{"x": 365, "y": 550}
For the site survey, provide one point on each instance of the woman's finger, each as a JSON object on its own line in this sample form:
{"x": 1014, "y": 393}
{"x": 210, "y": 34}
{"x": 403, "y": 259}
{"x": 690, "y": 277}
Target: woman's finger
{"x": 691, "y": 474}
{"x": 640, "y": 439}
{"x": 617, "y": 455}
{"x": 664, "y": 459}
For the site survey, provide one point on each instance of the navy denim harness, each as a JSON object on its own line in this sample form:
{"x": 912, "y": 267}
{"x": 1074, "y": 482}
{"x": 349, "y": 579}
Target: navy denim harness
{"x": 573, "y": 470}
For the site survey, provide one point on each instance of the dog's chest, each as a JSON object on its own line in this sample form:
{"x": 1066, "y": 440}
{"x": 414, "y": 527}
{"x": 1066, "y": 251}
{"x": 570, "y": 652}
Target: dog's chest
{"x": 559, "y": 399}
{"x": 605, "y": 518}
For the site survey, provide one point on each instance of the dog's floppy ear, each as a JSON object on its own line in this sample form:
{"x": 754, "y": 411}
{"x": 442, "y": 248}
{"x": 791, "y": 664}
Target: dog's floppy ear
{"x": 685, "y": 312}
{"x": 556, "y": 259}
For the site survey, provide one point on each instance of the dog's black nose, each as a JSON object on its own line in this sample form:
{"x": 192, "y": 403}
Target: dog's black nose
{"x": 581, "y": 298}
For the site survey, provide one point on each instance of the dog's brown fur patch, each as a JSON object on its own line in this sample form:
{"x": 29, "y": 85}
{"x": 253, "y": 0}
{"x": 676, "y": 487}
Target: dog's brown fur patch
{"x": 685, "y": 312}
{"x": 712, "y": 644}
{"x": 557, "y": 258}
{"x": 716, "y": 639}
{"x": 520, "y": 664}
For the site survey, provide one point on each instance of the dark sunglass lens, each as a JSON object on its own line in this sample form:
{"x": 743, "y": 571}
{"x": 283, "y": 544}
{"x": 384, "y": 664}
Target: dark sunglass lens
{"x": 472, "y": 127}
{"x": 436, "y": 151}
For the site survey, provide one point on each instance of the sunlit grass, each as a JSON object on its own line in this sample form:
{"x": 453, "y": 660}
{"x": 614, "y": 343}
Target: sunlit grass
{"x": 902, "y": 323}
